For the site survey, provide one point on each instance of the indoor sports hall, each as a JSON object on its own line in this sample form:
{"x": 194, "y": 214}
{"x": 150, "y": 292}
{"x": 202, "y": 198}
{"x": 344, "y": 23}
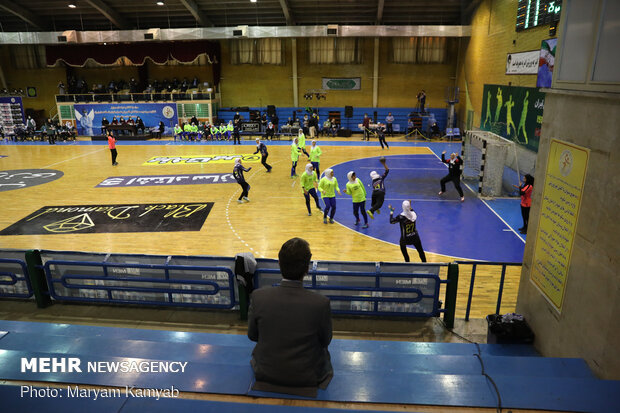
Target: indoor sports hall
{"x": 156, "y": 156}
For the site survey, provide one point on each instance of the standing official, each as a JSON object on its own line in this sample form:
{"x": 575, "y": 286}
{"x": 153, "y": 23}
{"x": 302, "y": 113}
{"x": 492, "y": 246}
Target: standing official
{"x": 389, "y": 120}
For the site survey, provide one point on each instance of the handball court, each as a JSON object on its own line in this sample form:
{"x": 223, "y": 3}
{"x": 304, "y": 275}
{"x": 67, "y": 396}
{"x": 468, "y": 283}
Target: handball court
{"x": 449, "y": 230}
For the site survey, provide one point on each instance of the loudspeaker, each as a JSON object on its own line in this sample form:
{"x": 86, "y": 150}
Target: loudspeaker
{"x": 271, "y": 111}
{"x": 344, "y": 133}
{"x": 348, "y": 111}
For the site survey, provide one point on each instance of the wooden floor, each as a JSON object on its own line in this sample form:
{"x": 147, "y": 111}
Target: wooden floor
{"x": 276, "y": 212}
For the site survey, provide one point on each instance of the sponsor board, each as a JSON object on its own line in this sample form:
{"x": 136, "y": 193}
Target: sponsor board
{"x": 342, "y": 83}
{"x": 200, "y": 159}
{"x": 83, "y": 219}
{"x": 24, "y": 178}
{"x": 524, "y": 63}
{"x": 88, "y": 116}
{"x": 163, "y": 180}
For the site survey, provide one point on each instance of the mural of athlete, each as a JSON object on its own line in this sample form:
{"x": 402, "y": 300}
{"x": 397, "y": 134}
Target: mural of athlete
{"x": 487, "y": 117}
{"x": 500, "y": 101}
{"x": 523, "y": 117}
{"x": 509, "y": 121}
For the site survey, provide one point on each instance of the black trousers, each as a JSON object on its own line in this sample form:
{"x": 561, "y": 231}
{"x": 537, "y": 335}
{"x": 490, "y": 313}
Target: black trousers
{"x": 51, "y": 139}
{"x": 114, "y": 155}
{"x": 525, "y": 213}
{"x": 263, "y": 160}
{"x": 415, "y": 241}
{"x": 246, "y": 189}
{"x": 377, "y": 201}
{"x": 388, "y": 129}
{"x": 236, "y": 138}
{"x": 456, "y": 180}
{"x": 382, "y": 141}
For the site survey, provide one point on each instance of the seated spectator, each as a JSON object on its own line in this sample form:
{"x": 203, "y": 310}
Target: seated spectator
{"x": 335, "y": 127}
{"x": 291, "y": 326}
{"x": 178, "y": 132}
{"x": 435, "y": 130}
{"x": 409, "y": 126}
{"x": 140, "y": 124}
{"x": 326, "y": 127}
{"x": 270, "y": 133}
{"x": 104, "y": 124}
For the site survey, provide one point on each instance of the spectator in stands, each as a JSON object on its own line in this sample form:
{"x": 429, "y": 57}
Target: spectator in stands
{"x": 454, "y": 173}
{"x": 104, "y": 124}
{"x": 283, "y": 355}
{"x": 194, "y": 119}
{"x": 290, "y": 121}
{"x": 50, "y": 128}
{"x": 306, "y": 124}
{"x": 326, "y": 126}
{"x": 184, "y": 85}
{"x": 408, "y": 232}
{"x": 140, "y": 124}
{"x": 61, "y": 88}
{"x": 178, "y": 132}
{"x": 187, "y": 131}
{"x": 195, "y": 83}
{"x": 313, "y": 125}
{"x": 409, "y": 126}
{"x": 422, "y": 100}
{"x": 435, "y": 130}
{"x": 389, "y": 120}
{"x": 263, "y": 122}
{"x": 112, "y": 87}
{"x": 276, "y": 121}
{"x": 270, "y": 133}
{"x": 525, "y": 191}
{"x": 366, "y": 127}
{"x": 334, "y": 127}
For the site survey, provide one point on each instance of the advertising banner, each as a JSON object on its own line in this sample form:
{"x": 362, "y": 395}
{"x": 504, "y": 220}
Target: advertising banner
{"x": 567, "y": 165}
{"x": 525, "y": 63}
{"x": 342, "y": 83}
{"x": 514, "y": 112}
{"x": 88, "y": 116}
{"x": 163, "y": 180}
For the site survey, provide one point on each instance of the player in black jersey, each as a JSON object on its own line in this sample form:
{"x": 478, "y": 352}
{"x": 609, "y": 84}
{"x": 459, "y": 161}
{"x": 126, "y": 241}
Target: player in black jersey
{"x": 408, "y": 232}
{"x": 378, "y": 189}
{"x": 238, "y": 175}
{"x": 454, "y": 173}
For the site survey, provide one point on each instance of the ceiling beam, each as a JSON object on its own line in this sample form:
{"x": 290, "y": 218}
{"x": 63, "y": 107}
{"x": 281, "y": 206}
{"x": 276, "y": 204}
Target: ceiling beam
{"x": 198, "y": 14}
{"x": 380, "y": 11}
{"x": 109, "y": 13}
{"x": 22, "y": 13}
{"x": 288, "y": 14}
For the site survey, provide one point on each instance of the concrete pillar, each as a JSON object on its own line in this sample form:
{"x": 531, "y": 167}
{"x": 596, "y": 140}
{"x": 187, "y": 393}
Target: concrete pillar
{"x": 375, "y": 75}
{"x": 295, "y": 86}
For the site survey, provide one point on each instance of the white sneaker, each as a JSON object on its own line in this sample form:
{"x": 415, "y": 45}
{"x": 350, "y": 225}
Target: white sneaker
{"x": 239, "y": 201}
{"x": 246, "y": 199}
{"x": 440, "y": 192}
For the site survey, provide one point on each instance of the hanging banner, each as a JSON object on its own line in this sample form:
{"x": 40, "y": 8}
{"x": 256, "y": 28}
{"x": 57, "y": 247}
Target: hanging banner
{"x": 89, "y": 116}
{"x": 516, "y": 113}
{"x": 546, "y": 62}
{"x": 525, "y": 63}
{"x": 567, "y": 165}
{"x": 342, "y": 83}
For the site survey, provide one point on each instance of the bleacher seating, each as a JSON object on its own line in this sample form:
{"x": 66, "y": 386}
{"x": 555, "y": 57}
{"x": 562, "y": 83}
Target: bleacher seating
{"x": 444, "y": 374}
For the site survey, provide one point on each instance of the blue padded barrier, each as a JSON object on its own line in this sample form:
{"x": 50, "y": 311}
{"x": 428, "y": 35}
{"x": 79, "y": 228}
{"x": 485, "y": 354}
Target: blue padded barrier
{"x": 14, "y": 278}
{"x": 144, "y": 279}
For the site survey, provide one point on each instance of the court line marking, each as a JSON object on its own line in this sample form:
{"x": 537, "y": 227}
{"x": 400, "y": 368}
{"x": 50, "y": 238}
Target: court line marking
{"x": 75, "y": 157}
{"x": 428, "y": 169}
{"x": 386, "y": 199}
{"x": 488, "y": 206}
{"x": 256, "y": 253}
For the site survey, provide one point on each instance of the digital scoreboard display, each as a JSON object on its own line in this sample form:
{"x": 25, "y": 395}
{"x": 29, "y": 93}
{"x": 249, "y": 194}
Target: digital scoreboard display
{"x": 532, "y": 13}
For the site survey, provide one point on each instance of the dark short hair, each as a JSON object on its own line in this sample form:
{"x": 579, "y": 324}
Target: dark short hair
{"x": 294, "y": 258}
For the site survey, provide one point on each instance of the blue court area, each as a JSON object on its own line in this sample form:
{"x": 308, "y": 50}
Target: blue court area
{"x": 469, "y": 230}
{"x": 443, "y": 374}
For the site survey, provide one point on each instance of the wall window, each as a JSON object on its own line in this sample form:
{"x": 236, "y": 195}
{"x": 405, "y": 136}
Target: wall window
{"x": 257, "y": 51}
{"x": 340, "y": 50}
{"x": 418, "y": 49}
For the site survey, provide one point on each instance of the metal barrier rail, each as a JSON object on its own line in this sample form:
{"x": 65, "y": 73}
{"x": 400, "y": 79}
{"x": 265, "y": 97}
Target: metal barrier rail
{"x": 376, "y": 292}
{"x": 472, "y": 280}
{"x": 134, "y": 97}
{"x": 171, "y": 293}
{"x": 15, "y": 279}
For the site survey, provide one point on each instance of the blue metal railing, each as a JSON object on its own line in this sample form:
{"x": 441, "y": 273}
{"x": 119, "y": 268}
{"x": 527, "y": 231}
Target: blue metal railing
{"x": 106, "y": 288}
{"x": 20, "y": 283}
{"x": 475, "y": 265}
{"x": 370, "y": 296}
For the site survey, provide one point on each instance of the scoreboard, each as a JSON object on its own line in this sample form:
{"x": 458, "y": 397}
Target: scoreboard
{"x": 532, "y": 13}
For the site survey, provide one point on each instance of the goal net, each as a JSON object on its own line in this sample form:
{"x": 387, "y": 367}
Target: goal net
{"x": 489, "y": 163}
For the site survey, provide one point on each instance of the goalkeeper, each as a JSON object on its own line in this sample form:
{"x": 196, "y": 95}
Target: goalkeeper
{"x": 454, "y": 173}
{"x": 378, "y": 189}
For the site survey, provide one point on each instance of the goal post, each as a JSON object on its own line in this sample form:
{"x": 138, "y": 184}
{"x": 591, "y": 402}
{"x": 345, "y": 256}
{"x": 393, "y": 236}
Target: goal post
{"x": 489, "y": 161}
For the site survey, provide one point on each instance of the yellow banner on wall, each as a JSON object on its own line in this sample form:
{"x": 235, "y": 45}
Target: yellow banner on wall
{"x": 200, "y": 159}
{"x": 567, "y": 165}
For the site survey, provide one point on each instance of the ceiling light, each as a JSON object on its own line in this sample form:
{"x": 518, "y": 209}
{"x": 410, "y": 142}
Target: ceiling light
{"x": 252, "y": 1}
{"x": 72, "y": 6}
{"x": 160, "y": 3}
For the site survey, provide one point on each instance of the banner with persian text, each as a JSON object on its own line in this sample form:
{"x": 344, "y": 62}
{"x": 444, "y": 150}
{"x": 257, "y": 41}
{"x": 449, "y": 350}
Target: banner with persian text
{"x": 89, "y": 116}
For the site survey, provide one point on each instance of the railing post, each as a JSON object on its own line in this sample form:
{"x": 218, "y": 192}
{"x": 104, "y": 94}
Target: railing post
{"x": 37, "y": 279}
{"x": 451, "y": 289}
{"x": 471, "y": 290}
{"x": 501, "y": 289}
